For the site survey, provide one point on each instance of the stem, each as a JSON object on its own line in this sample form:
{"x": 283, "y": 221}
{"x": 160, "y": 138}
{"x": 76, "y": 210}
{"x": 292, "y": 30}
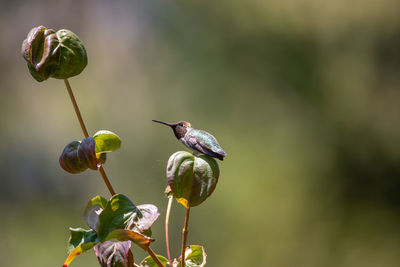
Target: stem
{"x": 78, "y": 113}
{"x": 153, "y": 255}
{"x": 170, "y": 198}
{"x": 184, "y": 238}
{"x": 131, "y": 261}
{"x": 85, "y": 132}
{"x": 105, "y": 179}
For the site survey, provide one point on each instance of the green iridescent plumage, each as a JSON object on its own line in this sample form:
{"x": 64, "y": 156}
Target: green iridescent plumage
{"x": 197, "y": 140}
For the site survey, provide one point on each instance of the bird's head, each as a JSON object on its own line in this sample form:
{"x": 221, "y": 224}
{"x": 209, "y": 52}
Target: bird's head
{"x": 179, "y": 128}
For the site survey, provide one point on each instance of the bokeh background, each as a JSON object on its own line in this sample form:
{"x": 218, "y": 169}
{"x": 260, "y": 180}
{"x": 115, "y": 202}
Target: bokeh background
{"x": 303, "y": 96}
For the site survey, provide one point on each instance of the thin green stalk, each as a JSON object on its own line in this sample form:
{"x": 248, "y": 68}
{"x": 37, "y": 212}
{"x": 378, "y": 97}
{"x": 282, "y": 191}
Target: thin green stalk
{"x": 170, "y": 198}
{"x": 184, "y": 237}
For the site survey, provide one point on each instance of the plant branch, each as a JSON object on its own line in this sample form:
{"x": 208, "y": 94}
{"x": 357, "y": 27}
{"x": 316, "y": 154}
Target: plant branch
{"x": 76, "y": 108}
{"x": 154, "y": 257}
{"x": 106, "y": 181}
{"x": 170, "y": 198}
{"x": 131, "y": 261}
{"x": 86, "y": 134}
{"x": 184, "y": 237}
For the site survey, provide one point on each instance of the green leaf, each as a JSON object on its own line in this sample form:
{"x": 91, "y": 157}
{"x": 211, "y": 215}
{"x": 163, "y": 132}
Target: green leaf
{"x": 79, "y": 156}
{"x": 92, "y": 211}
{"x": 192, "y": 178}
{"x": 81, "y": 240}
{"x": 106, "y": 141}
{"x": 115, "y": 215}
{"x": 195, "y": 256}
{"x": 81, "y": 237}
{"x": 149, "y": 262}
{"x": 109, "y": 221}
{"x": 97, "y": 201}
{"x": 125, "y": 235}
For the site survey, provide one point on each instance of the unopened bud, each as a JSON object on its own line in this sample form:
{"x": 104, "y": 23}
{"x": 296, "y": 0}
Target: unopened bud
{"x": 53, "y": 54}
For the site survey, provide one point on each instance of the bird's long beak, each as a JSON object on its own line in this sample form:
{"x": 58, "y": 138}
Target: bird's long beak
{"x": 169, "y": 124}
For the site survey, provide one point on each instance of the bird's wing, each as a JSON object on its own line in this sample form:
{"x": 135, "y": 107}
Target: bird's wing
{"x": 210, "y": 142}
{"x": 192, "y": 142}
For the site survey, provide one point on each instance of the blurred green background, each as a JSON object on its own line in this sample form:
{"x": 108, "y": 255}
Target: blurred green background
{"x": 302, "y": 95}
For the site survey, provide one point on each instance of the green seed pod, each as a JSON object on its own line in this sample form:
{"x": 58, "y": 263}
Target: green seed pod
{"x": 192, "y": 178}
{"x": 49, "y": 54}
{"x": 40, "y": 50}
{"x": 73, "y": 58}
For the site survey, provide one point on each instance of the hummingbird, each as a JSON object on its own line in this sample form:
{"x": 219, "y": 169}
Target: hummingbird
{"x": 196, "y": 140}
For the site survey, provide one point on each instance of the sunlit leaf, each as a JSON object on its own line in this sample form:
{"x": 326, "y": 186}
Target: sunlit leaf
{"x": 149, "y": 262}
{"x": 106, "y": 141}
{"x": 82, "y": 237}
{"x": 75, "y": 253}
{"x": 192, "y": 178}
{"x": 114, "y": 254}
{"x": 195, "y": 256}
{"x": 80, "y": 241}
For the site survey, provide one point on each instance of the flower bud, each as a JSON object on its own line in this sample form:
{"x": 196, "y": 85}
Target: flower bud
{"x": 79, "y": 156}
{"x": 192, "y": 178}
{"x": 53, "y": 54}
